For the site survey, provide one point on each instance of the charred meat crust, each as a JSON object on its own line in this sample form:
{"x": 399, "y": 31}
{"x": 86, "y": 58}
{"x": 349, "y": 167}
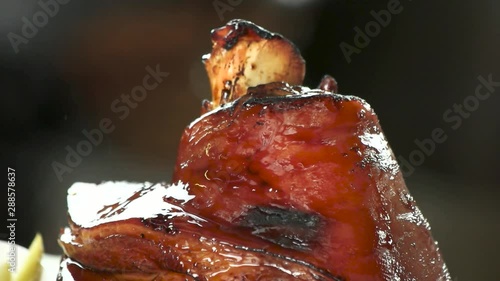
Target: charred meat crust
{"x": 230, "y": 34}
{"x": 286, "y": 227}
{"x": 281, "y": 96}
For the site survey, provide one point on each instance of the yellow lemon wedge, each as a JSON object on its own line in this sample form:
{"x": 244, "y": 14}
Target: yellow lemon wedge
{"x": 31, "y": 269}
{"x": 4, "y": 272}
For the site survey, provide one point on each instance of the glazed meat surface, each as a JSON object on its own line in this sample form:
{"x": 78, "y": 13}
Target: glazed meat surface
{"x": 285, "y": 182}
{"x": 273, "y": 182}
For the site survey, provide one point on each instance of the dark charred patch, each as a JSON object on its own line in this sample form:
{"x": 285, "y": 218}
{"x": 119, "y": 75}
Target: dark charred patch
{"x": 161, "y": 223}
{"x": 278, "y": 103}
{"x": 281, "y": 97}
{"x": 240, "y": 28}
{"x": 288, "y": 228}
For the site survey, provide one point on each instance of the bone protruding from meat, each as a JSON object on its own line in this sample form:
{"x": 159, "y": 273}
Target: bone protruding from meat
{"x": 246, "y": 55}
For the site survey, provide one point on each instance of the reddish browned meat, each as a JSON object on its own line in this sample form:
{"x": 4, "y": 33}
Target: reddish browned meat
{"x": 144, "y": 231}
{"x": 274, "y": 182}
{"x": 317, "y": 155}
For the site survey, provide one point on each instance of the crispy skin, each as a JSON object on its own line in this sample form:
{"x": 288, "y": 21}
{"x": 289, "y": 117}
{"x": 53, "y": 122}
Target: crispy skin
{"x": 149, "y": 234}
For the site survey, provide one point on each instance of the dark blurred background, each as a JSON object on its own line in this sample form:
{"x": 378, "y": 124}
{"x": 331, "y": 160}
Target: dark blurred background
{"x": 64, "y": 76}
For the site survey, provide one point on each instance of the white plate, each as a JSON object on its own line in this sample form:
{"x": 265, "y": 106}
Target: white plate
{"x": 50, "y": 263}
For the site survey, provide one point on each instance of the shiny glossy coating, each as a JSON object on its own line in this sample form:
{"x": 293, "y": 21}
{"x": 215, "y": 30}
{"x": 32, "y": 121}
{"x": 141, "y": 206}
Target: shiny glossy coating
{"x": 273, "y": 182}
{"x": 285, "y": 183}
{"x": 318, "y": 153}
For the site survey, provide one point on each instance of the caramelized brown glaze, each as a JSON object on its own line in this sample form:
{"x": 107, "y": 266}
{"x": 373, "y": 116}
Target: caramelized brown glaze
{"x": 315, "y": 153}
{"x": 153, "y": 235}
{"x": 273, "y": 186}
{"x": 274, "y": 182}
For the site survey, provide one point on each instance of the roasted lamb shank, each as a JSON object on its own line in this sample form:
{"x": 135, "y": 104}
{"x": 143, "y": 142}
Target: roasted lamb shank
{"x": 275, "y": 181}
